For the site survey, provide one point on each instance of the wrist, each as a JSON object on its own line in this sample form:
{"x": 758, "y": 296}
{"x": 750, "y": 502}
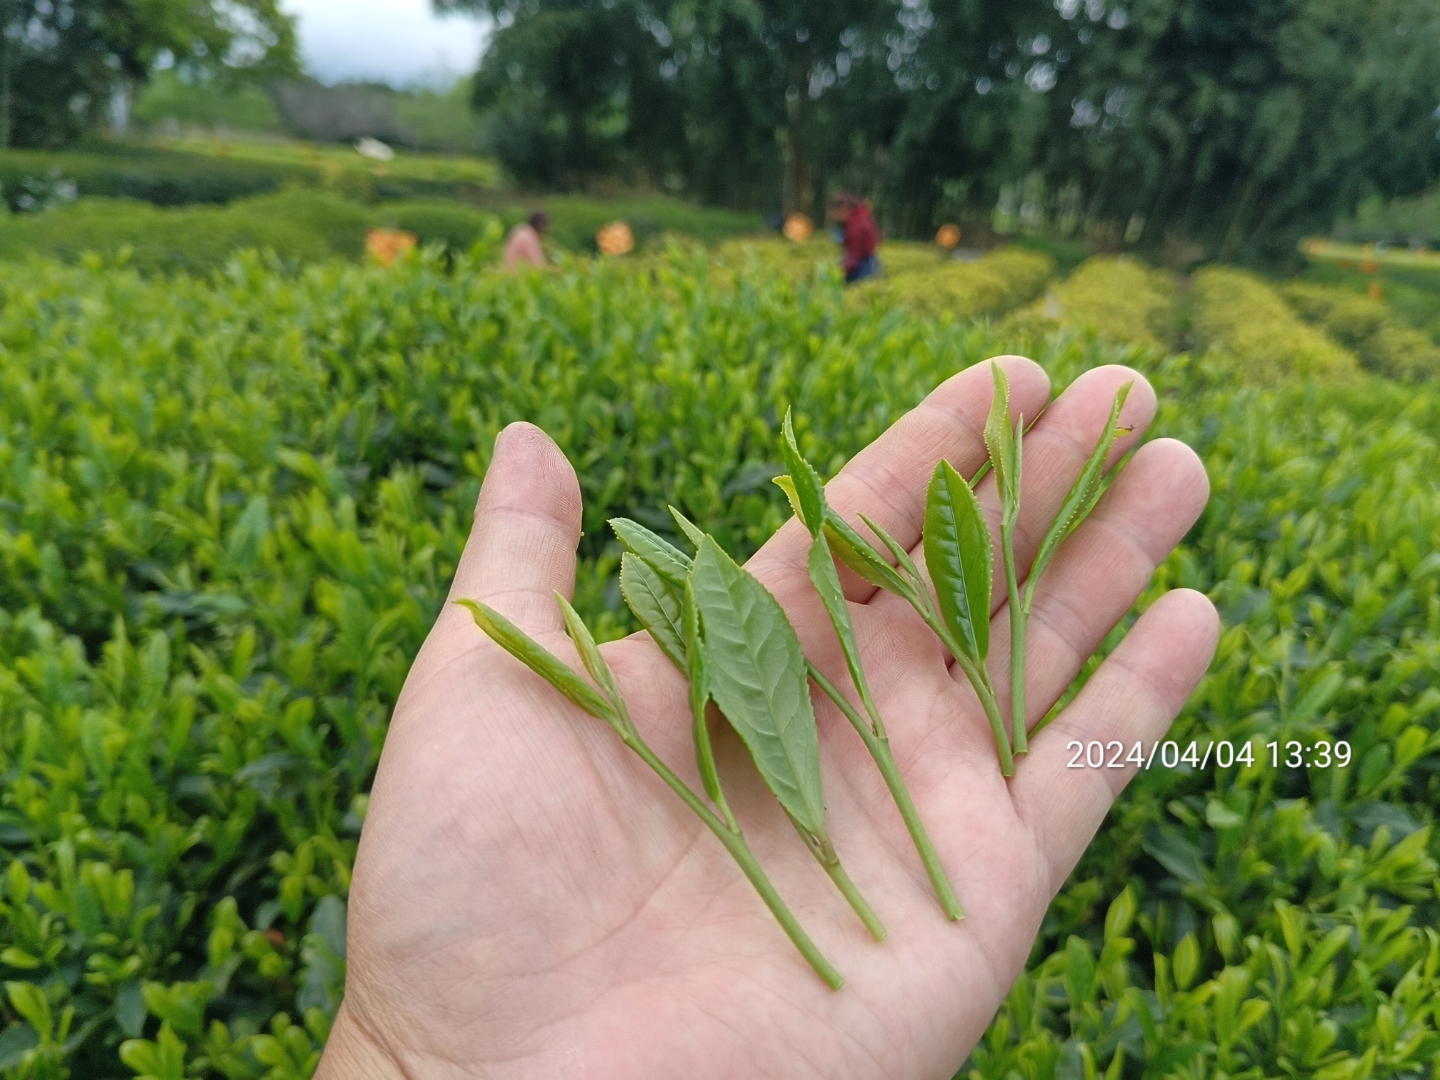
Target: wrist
{"x": 351, "y": 1053}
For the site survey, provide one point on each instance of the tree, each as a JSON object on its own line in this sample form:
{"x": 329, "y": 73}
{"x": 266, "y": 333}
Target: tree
{"x": 62, "y": 61}
{"x": 1237, "y": 125}
{"x": 1243, "y": 126}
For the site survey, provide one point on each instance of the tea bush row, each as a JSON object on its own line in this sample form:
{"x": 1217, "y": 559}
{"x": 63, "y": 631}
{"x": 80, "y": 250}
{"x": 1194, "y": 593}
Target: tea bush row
{"x": 1366, "y": 327}
{"x": 230, "y": 507}
{"x": 1120, "y": 300}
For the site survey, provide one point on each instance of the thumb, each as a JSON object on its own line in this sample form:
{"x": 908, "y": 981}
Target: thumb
{"x": 521, "y": 549}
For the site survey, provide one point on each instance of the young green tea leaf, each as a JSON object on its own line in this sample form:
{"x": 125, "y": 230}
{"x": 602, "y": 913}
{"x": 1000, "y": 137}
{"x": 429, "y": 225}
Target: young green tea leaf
{"x": 541, "y": 661}
{"x": 855, "y": 552}
{"x": 1082, "y": 495}
{"x": 653, "y": 602}
{"x": 809, "y": 490}
{"x": 697, "y": 667}
{"x": 668, "y": 561}
{"x": 785, "y": 484}
{"x": 1000, "y": 439}
{"x": 826, "y": 580}
{"x": 958, "y": 556}
{"x": 1003, "y": 445}
{"x": 689, "y": 528}
{"x": 902, "y": 557}
{"x": 590, "y": 654}
{"x": 758, "y": 678}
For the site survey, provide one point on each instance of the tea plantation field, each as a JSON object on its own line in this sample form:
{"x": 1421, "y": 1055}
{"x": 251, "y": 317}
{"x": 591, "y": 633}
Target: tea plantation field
{"x": 230, "y": 508}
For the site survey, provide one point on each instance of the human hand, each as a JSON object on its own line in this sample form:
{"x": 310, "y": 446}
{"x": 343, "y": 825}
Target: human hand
{"x": 530, "y": 900}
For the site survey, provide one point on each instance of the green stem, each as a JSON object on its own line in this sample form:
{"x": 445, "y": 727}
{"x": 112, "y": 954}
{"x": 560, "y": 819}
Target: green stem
{"x": 824, "y": 852}
{"x": 1018, "y": 618}
{"x": 879, "y": 747}
{"x": 851, "y": 893}
{"x": 740, "y": 851}
{"x": 984, "y": 689}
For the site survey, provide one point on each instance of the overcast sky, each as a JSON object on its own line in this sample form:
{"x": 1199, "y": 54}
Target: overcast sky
{"x": 397, "y": 41}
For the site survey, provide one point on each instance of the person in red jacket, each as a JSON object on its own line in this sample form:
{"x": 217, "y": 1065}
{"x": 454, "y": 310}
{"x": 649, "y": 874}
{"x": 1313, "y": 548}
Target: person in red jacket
{"x": 861, "y": 236}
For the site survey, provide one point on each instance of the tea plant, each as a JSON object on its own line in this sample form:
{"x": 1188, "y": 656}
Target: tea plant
{"x": 230, "y": 509}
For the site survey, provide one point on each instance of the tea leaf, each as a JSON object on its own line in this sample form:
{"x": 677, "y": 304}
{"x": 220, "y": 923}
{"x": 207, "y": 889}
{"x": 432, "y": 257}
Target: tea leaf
{"x": 689, "y": 528}
{"x": 827, "y": 583}
{"x": 958, "y": 556}
{"x": 654, "y": 604}
{"x": 1083, "y": 494}
{"x": 541, "y": 661}
{"x": 697, "y": 667}
{"x": 809, "y": 491}
{"x": 855, "y": 552}
{"x": 1004, "y": 446}
{"x": 590, "y": 654}
{"x": 668, "y": 560}
{"x": 757, "y": 677}
{"x": 902, "y": 557}
{"x": 785, "y": 484}
{"x": 1003, "y": 442}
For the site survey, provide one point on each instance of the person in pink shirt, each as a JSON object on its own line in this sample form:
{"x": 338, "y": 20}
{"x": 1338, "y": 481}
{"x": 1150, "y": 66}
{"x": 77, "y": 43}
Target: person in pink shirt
{"x": 522, "y": 246}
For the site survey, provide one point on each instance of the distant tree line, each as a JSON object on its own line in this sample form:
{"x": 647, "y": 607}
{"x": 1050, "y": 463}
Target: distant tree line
{"x": 1234, "y": 125}
{"x": 64, "y": 64}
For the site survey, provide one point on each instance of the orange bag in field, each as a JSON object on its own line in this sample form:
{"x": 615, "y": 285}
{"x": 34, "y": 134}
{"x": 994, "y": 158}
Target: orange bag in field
{"x": 387, "y": 245}
{"x": 615, "y": 238}
{"x": 798, "y": 227}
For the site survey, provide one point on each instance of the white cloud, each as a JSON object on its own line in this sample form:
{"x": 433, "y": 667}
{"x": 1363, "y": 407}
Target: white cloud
{"x": 396, "y": 41}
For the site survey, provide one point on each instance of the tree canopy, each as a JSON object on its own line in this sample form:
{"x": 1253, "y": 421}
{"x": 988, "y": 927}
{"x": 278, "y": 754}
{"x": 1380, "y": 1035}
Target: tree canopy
{"x": 1235, "y": 125}
{"x": 62, "y": 61}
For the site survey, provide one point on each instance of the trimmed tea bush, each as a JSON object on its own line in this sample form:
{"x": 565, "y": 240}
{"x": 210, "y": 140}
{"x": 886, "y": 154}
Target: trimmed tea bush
{"x": 230, "y": 508}
{"x": 300, "y": 225}
{"x": 1243, "y": 320}
{"x": 1118, "y": 299}
{"x": 1368, "y": 328}
{"x": 992, "y": 285}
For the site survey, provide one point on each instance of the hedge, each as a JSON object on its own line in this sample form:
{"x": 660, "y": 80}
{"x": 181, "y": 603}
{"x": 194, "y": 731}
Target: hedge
{"x": 1240, "y": 317}
{"x": 1119, "y": 299}
{"x": 230, "y": 507}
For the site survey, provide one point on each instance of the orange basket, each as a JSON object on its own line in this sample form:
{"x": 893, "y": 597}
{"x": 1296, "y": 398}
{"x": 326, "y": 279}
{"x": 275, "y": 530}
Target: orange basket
{"x": 615, "y": 238}
{"x": 384, "y": 246}
{"x": 798, "y": 227}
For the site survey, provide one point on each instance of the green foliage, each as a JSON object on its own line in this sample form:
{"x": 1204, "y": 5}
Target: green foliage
{"x": 60, "y": 64}
{"x": 915, "y": 276}
{"x": 170, "y": 98}
{"x": 992, "y": 285}
{"x": 230, "y": 509}
{"x": 164, "y": 179}
{"x": 209, "y": 171}
{"x": 1243, "y": 320}
{"x": 1237, "y": 127}
{"x": 1368, "y": 328}
{"x": 298, "y": 225}
{"x": 1120, "y": 300}
{"x": 574, "y": 219}
{"x": 441, "y": 119}
{"x": 1415, "y": 218}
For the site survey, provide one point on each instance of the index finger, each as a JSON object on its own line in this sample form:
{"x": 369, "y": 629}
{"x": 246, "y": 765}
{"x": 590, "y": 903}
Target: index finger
{"x": 887, "y": 480}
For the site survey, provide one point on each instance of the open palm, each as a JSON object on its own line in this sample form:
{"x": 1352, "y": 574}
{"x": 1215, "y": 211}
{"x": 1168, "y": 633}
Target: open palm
{"x": 530, "y": 900}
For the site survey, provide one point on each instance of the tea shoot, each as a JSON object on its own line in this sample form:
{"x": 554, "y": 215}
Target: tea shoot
{"x": 807, "y": 495}
{"x": 607, "y": 704}
{"x": 757, "y": 678}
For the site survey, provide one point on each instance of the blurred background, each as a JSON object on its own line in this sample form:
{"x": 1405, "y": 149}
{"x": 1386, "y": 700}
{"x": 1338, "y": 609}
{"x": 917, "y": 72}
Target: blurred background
{"x": 1187, "y": 129}
{"x": 259, "y": 329}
